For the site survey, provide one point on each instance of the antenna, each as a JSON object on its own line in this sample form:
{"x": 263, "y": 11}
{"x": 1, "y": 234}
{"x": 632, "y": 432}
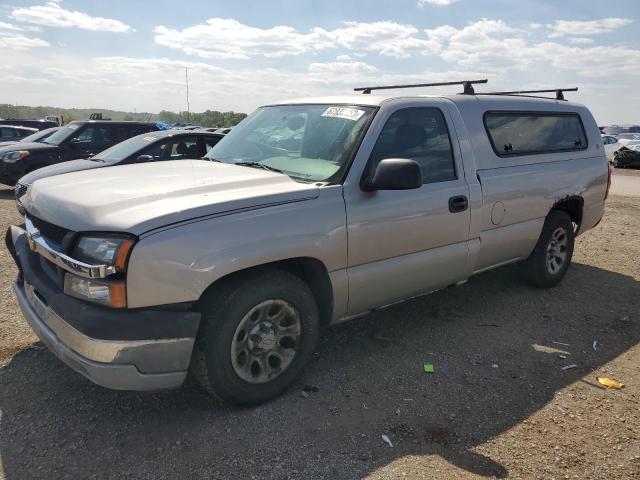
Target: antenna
{"x": 186, "y": 79}
{"x": 558, "y": 91}
{"x": 467, "y": 85}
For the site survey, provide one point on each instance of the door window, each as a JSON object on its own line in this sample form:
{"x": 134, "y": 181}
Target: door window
{"x": 6, "y": 133}
{"x": 418, "y": 134}
{"x": 211, "y": 142}
{"x": 174, "y": 149}
{"x": 93, "y": 138}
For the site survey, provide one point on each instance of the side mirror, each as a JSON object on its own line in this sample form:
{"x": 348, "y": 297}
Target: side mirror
{"x": 144, "y": 158}
{"x": 394, "y": 174}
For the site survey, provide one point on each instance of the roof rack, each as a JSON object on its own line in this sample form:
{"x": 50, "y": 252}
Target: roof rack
{"x": 468, "y": 86}
{"x": 557, "y": 91}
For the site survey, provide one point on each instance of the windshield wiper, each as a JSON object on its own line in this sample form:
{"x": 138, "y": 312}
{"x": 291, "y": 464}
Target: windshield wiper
{"x": 96, "y": 159}
{"x": 259, "y": 165}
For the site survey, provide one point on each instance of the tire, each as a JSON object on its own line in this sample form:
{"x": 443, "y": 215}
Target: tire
{"x": 243, "y": 355}
{"x": 551, "y": 257}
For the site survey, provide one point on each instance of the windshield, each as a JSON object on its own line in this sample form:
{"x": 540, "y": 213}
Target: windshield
{"x": 122, "y": 150}
{"x": 62, "y": 134}
{"x": 306, "y": 142}
{"x": 39, "y": 136}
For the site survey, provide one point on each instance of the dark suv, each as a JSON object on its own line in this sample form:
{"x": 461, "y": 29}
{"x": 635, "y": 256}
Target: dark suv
{"x": 80, "y": 139}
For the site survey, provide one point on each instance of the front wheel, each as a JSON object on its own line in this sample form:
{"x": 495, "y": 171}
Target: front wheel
{"x": 257, "y": 335}
{"x": 551, "y": 257}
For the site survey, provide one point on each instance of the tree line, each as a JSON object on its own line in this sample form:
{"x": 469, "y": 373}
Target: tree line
{"x": 208, "y": 118}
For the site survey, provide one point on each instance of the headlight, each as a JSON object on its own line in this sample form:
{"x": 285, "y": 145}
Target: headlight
{"x": 104, "y": 250}
{"x": 109, "y": 293}
{"x": 101, "y": 249}
{"x": 13, "y": 157}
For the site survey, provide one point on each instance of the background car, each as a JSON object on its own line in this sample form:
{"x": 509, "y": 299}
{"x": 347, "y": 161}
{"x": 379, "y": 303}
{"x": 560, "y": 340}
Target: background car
{"x": 80, "y": 139}
{"x": 627, "y": 156}
{"x": 10, "y": 133}
{"x": 148, "y": 147}
{"x": 611, "y": 144}
{"x": 38, "y": 136}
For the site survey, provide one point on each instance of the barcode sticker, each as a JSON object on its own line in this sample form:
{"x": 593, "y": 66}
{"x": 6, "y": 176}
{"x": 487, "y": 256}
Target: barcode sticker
{"x": 348, "y": 113}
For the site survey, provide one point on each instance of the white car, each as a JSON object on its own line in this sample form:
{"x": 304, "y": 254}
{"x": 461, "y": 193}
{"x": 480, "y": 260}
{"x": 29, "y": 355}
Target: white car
{"x": 611, "y": 144}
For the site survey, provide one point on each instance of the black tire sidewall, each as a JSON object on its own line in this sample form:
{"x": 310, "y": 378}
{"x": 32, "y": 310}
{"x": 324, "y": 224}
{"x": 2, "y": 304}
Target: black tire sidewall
{"x": 541, "y": 275}
{"x": 224, "y": 322}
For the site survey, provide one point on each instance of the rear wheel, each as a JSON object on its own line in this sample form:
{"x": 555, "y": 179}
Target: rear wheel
{"x": 551, "y": 257}
{"x": 257, "y": 334}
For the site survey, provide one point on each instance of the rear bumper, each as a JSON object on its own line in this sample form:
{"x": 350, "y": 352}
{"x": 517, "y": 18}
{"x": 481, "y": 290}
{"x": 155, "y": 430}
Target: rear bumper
{"x": 117, "y": 349}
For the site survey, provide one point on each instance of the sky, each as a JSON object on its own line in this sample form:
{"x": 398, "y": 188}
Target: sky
{"x": 131, "y": 54}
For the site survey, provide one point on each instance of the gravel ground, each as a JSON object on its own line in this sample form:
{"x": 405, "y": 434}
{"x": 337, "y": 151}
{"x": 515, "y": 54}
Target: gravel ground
{"x": 498, "y": 405}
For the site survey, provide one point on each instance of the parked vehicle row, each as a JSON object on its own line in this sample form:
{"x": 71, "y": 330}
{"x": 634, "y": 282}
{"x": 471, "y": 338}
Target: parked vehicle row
{"x": 147, "y": 147}
{"x": 308, "y": 213}
{"x": 622, "y": 150}
{"x": 79, "y": 139}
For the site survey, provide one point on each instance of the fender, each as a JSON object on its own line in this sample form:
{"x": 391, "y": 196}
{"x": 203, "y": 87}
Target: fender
{"x": 178, "y": 264}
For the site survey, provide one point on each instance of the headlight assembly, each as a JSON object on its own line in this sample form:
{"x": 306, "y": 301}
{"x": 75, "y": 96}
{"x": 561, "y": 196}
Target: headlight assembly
{"x": 101, "y": 249}
{"x": 104, "y": 249}
{"x": 13, "y": 157}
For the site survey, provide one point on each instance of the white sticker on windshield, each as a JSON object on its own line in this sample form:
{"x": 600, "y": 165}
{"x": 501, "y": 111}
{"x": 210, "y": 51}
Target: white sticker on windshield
{"x": 347, "y": 113}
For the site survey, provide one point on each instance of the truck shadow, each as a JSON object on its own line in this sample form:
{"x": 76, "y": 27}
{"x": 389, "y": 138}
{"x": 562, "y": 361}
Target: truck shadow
{"x": 491, "y": 342}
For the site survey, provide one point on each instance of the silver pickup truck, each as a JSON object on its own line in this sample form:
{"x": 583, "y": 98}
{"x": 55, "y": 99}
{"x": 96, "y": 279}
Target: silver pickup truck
{"x": 309, "y": 213}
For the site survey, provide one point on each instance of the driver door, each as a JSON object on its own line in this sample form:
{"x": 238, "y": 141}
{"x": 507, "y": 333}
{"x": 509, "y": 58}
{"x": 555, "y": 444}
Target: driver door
{"x": 403, "y": 243}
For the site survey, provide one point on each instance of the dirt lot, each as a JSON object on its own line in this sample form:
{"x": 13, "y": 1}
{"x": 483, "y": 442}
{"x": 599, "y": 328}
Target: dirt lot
{"x": 499, "y": 403}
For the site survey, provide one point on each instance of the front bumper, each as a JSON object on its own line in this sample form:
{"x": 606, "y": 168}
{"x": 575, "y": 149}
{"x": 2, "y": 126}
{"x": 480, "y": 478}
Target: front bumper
{"x": 118, "y": 349}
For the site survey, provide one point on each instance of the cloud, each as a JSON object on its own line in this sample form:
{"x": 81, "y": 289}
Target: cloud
{"x": 479, "y": 45}
{"x": 224, "y": 38}
{"x": 440, "y": 3}
{"x": 482, "y": 45}
{"x": 580, "y": 40}
{"x": 384, "y": 38}
{"x": 17, "y": 41}
{"x": 586, "y": 27}
{"x": 9, "y": 26}
{"x": 51, "y": 14}
{"x": 342, "y": 67}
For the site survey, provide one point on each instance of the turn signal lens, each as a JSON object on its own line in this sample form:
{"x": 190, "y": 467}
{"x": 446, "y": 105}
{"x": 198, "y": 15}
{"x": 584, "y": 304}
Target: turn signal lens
{"x": 111, "y": 294}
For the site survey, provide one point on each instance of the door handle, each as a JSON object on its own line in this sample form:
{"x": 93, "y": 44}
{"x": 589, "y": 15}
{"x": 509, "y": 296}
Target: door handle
{"x": 458, "y": 203}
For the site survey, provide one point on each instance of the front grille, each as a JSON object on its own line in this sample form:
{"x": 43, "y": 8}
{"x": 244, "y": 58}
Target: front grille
{"x": 48, "y": 230}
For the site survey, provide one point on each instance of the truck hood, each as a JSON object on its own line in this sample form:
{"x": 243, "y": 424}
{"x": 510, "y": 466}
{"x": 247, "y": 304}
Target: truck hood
{"x": 142, "y": 197}
{"x": 59, "y": 169}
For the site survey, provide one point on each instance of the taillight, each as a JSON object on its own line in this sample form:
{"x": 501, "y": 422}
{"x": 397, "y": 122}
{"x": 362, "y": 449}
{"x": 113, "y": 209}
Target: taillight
{"x": 609, "y": 172}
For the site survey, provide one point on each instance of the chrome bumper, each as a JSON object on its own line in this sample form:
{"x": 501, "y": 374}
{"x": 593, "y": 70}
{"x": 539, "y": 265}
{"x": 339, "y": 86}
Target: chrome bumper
{"x": 118, "y": 365}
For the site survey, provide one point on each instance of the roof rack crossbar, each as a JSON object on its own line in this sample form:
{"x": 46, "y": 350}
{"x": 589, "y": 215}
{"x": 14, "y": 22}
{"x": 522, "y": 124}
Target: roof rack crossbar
{"x": 558, "y": 91}
{"x": 467, "y": 86}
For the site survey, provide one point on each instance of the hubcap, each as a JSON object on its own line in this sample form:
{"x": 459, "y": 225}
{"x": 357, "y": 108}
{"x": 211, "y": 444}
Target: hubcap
{"x": 557, "y": 250}
{"x": 266, "y": 341}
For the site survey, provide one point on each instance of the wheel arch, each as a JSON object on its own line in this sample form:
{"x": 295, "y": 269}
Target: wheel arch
{"x": 310, "y": 270}
{"x": 572, "y": 205}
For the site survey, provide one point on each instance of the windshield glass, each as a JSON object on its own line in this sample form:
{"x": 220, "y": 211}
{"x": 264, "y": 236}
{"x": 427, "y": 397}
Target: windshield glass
{"x": 39, "y": 136}
{"x": 122, "y": 150}
{"x": 306, "y": 142}
{"x": 62, "y": 134}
